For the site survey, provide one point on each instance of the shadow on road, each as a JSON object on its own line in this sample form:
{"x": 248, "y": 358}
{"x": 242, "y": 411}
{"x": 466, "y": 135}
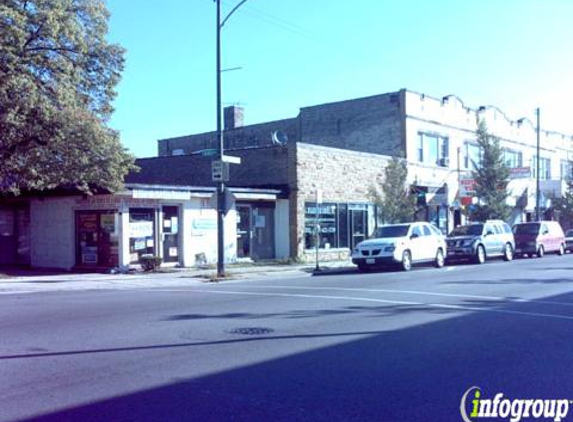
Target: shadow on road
{"x": 417, "y": 373}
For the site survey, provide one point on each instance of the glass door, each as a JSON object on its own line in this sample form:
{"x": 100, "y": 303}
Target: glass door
{"x": 243, "y": 231}
{"x": 170, "y": 227}
{"x": 358, "y": 226}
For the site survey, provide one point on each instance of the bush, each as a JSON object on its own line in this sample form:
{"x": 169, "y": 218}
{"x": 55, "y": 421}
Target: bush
{"x": 150, "y": 262}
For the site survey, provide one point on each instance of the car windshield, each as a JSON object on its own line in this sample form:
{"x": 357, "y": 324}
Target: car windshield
{"x": 471, "y": 230}
{"x": 392, "y": 231}
{"x": 569, "y": 233}
{"x": 529, "y": 229}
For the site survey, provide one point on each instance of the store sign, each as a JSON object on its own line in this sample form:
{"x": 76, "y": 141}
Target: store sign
{"x": 467, "y": 187}
{"x": 161, "y": 194}
{"x": 520, "y": 173}
{"x": 138, "y": 229}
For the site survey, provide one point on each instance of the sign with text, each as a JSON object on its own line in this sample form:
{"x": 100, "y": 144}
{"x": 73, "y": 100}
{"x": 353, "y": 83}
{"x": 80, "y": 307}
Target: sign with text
{"x": 520, "y": 173}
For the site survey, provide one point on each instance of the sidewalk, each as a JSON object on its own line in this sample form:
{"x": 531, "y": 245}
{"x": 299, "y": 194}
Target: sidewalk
{"x": 13, "y": 281}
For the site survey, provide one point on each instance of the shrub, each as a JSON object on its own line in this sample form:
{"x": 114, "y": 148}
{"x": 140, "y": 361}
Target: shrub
{"x": 150, "y": 262}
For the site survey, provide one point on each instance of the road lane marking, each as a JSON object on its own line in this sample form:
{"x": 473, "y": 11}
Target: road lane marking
{"x": 416, "y": 292}
{"x": 375, "y": 300}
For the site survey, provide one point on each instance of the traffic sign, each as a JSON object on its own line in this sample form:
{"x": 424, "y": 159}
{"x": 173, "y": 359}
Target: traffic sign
{"x": 220, "y": 171}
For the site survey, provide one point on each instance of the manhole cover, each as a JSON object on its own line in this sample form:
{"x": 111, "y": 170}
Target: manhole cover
{"x": 251, "y": 331}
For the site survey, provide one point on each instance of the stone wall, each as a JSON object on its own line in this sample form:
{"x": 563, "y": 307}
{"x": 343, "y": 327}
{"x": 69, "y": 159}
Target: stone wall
{"x": 342, "y": 175}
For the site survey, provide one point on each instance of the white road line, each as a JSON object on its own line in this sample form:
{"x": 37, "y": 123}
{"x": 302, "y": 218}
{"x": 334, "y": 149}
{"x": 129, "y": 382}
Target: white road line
{"x": 416, "y": 292}
{"x": 370, "y": 299}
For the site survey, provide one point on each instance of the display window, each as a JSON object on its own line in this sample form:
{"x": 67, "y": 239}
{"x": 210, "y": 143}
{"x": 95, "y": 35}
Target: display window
{"x": 141, "y": 233}
{"x": 97, "y": 238}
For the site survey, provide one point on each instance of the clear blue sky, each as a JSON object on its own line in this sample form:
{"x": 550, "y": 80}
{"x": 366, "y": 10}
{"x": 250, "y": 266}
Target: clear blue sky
{"x": 514, "y": 54}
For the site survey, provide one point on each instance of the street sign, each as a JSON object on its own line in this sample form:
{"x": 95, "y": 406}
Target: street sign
{"x": 228, "y": 201}
{"x": 231, "y": 159}
{"x": 220, "y": 171}
{"x": 209, "y": 152}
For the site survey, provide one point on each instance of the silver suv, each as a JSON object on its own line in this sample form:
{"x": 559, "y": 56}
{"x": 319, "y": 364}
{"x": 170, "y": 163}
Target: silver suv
{"x": 479, "y": 241}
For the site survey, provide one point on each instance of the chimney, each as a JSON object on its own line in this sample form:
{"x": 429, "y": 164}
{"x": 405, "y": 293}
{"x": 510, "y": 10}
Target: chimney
{"x": 233, "y": 117}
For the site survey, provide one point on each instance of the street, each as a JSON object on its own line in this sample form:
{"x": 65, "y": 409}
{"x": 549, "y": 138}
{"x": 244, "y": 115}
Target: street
{"x": 382, "y": 346}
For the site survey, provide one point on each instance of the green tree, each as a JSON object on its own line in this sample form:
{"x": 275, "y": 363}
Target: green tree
{"x": 392, "y": 195}
{"x": 57, "y": 79}
{"x": 491, "y": 176}
{"x": 564, "y": 206}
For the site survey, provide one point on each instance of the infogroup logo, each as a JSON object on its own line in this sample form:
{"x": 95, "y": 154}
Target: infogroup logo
{"x": 513, "y": 410}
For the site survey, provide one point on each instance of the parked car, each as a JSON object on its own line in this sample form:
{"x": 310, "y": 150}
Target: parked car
{"x": 402, "y": 245}
{"x": 539, "y": 238}
{"x": 479, "y": 241}
{"x": 569, "y": 240}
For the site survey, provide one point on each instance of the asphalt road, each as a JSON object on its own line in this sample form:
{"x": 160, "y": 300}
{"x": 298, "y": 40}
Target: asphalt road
{"x": 386, "y": 346}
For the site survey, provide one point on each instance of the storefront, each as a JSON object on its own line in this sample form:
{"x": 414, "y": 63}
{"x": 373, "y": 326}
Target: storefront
{"x": 336, "y": 225}
{"x": 179, "y": 225}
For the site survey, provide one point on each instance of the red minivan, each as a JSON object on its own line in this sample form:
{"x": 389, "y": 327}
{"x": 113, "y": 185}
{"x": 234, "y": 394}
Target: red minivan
{"x": 538, "y": 238}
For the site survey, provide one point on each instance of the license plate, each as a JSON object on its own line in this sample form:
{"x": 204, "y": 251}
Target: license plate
{"x": 370, "y": 261}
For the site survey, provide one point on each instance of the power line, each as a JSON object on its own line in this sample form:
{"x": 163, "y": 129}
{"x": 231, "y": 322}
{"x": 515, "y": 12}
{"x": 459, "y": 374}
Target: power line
{"x": 276, "y": 21}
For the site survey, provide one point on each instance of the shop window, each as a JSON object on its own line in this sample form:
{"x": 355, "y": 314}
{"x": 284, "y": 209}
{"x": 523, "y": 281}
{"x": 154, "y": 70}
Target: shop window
{"x": 141, "y": 233}
{"x": 339, "y": 225}
{"x": 321, "y": 218}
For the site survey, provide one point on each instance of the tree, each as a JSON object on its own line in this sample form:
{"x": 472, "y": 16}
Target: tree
{"x": 563, "y": 207}
{"x": 491, "y": 176}
{"x": 393, "y": 196}
{"x": 57, "y": 80}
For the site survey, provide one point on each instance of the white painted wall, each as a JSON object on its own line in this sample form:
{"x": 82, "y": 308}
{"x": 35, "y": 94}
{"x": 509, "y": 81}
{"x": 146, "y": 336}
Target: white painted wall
{"x": 282, "y": 229}
{"x": 52, "y": 233}
{"x": 200, "y": 233}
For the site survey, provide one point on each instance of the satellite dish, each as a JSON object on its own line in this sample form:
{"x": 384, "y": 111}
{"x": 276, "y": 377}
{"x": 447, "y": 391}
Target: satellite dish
{"x": 279, "y": 137}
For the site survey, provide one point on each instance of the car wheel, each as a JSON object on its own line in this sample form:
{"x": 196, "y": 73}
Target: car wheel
{"x": 561, "y": 250}
{"x": 480, "y": 255}
{"x": 406, "y": 263}
{"x": 363, "y": 268}
{"x": 508, "y": 252}
{"x": 540, "y": 251}
{"x": 440, "y": 260}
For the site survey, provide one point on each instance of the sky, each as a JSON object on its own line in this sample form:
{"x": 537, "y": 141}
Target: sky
{"x": 516, "y": 55}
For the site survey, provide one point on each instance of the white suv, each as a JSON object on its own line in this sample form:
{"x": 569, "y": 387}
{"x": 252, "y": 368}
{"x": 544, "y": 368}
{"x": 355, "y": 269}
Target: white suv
{"x": 402, "y": 244}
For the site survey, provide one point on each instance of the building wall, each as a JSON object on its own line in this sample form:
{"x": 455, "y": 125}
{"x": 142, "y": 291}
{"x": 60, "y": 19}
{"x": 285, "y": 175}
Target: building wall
{"x": 282, "y": 229}
{"x": 341, "y": 175}
{"x": 52, "y": 233}
{"x": 261, "y": 167}
{"x": 449, "y": 117}
{"x": 372, "y": 124}
{"x": 200, "y": 233}
{"x": 256, "y": 135}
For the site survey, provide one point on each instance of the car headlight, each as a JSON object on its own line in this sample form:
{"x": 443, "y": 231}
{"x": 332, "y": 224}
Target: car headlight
{"x": 391, "y": 248}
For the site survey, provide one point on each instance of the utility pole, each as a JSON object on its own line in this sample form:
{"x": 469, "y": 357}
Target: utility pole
{"x": 221, "y": 206}
{"x": 537, "y": 191}
{"x": 220, "y": 141}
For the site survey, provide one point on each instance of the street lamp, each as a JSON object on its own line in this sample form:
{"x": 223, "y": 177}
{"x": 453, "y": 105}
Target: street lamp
{"x": 221, "y": 180}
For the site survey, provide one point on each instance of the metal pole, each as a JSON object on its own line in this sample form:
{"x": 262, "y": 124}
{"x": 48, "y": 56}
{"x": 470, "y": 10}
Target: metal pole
{"x": 537, "y": 191}
{"x": 220, "y": 184}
